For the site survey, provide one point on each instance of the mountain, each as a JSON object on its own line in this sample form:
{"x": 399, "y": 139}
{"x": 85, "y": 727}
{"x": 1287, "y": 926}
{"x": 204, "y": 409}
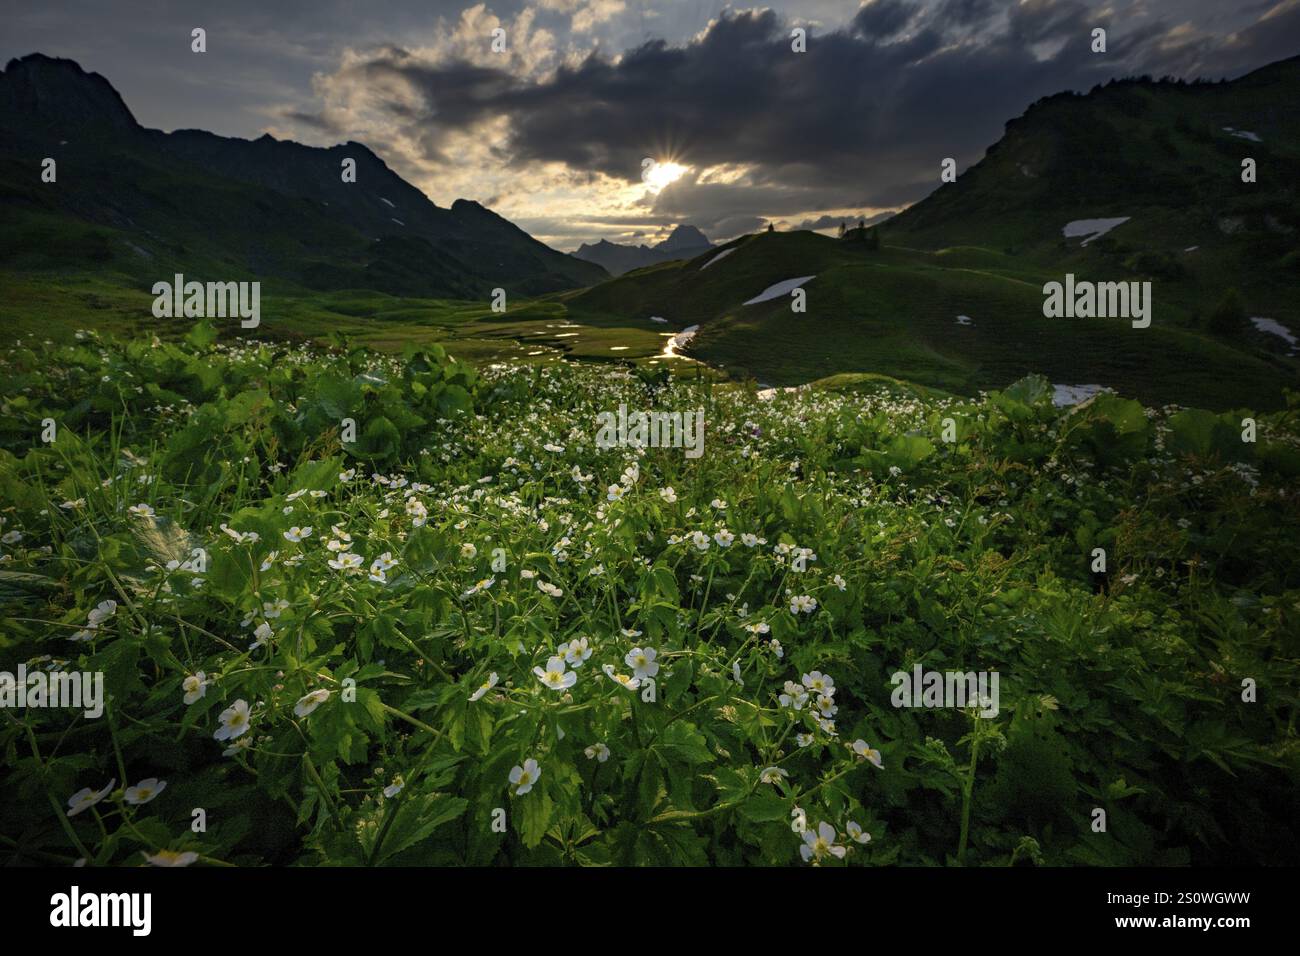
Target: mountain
{"x": 684, "y": 242}
{"x": 145, "y": 203}
{"x": 952, "y": 295}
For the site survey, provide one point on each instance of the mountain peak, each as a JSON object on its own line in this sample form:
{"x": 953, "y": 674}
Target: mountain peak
{"x": 684, "y": 237}
{"x": 52, "y": 91}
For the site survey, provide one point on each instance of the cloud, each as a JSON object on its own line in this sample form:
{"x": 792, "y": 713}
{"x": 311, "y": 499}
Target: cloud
{"x": 862, "y": 120}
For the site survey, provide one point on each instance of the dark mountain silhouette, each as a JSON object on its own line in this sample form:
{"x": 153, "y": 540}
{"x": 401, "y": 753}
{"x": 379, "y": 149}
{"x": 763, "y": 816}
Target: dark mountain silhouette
{"x": 265, "y": 207}
{"x": 684, "y": 242}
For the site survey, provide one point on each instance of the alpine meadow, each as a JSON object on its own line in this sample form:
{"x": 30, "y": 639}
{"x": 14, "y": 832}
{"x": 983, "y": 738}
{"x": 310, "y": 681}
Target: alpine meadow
{"x": 613, "y": 433}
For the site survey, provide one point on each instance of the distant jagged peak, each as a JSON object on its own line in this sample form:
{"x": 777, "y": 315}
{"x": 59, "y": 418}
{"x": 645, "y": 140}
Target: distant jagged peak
{"x": 54, "y": 90}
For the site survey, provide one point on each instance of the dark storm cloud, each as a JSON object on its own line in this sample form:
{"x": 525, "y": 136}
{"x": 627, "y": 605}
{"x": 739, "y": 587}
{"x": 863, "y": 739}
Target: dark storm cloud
{"x": 862, "y": 120}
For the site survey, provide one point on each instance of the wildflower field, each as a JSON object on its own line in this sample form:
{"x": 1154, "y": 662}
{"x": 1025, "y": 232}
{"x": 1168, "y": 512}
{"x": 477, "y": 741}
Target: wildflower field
{"x": 470, "y": 636}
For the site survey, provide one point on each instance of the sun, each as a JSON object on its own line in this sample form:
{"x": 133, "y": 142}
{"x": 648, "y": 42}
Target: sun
{"x": 657, "y": 175}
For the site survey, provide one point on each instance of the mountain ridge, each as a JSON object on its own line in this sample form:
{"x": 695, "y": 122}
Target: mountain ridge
{"x": 684, "y": 241}
{"x": 53, "y": 107}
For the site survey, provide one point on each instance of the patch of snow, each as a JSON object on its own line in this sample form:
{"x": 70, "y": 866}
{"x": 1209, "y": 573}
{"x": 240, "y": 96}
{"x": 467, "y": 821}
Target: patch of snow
{"x": 1274, "y": 327}
{"x": 963, "y": 320}
{"x": 721, "y": 255}
{"x": 1063, "y": 395}
{"x": 1243, "y": 134}
{"x": 778, "y": 290}
{"x": 398, "y": 221}
{"x": 390, "y": 205}
{"x": 1191, "y": 248}
{"x": 618, "y": 348}
{"x": 567, "y": 335}
{"x": 1092, "y": 228}
{"x": 659, "y": 318}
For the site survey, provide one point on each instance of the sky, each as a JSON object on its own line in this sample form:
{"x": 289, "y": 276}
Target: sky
{"x": 620, "y": 119}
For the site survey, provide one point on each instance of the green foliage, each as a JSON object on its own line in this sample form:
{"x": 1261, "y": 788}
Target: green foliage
{"x": 199, "y": 533}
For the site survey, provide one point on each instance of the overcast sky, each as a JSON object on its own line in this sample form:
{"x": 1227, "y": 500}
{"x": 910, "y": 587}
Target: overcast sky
{"x": 553, "y": 132}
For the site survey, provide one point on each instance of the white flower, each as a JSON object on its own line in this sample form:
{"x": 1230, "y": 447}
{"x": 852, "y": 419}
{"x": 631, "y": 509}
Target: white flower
{"x": 856, "y": 833}
{"x": 346, "y": 561}
{"x": 773, "y": 775}
{"x": 240, "y": 537}
{"x": 296, "y": 534}
{"x": 794, "y": 697}
{"x": 309, "y": 702}
{"x": 575, "y": 651}
{"x": 101, "y": 612}
{"x": 394, "y": 788}
{"x": 195, "y": 686}
{"x": 144, "y": 511}
{"x": 864, "y": 751}
{"x": 839, "y": 582}
{"x": 804, "y": 603}
{"x": 270, "y": 560}
{"x": 719, "y": 504}
{"x": 238, "y": 746}
{"x": 668, "y": 495}
{"x": 144, "y": 791}
{"x": 615, "y": 493}
{"x": 263, "y": 635}
{"x": 347, "y": 474}
{"x": 820, "y": 844}
{"x": 171, "y": 858}
{"x": 555, "y": 676}
{"x": 761, "y": 627}
{"x": 234, "y": 721}
{"x": 526, "y": 575}
{"x": 598, "y": 751}
{"x": 642, "y": 662}
{"x": 86, "y": 798}
{"x": 484, "y": 687}
{"x": 751, "y": 541}
{"x": 482, "y": 585}
{"x": 724, "y": 538}
{"x": 803, "y": 740}
{"x": 524, "y": 777}
{"x": 700, "y": 540}
{"x": 468, "y": 551}
{"x": 385, "y": 562}
{"x": 550, "y": 589}
{"x": 623, "y": 680}
{"x": 826, "y": 705}
{"x": 819, "y": 683}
